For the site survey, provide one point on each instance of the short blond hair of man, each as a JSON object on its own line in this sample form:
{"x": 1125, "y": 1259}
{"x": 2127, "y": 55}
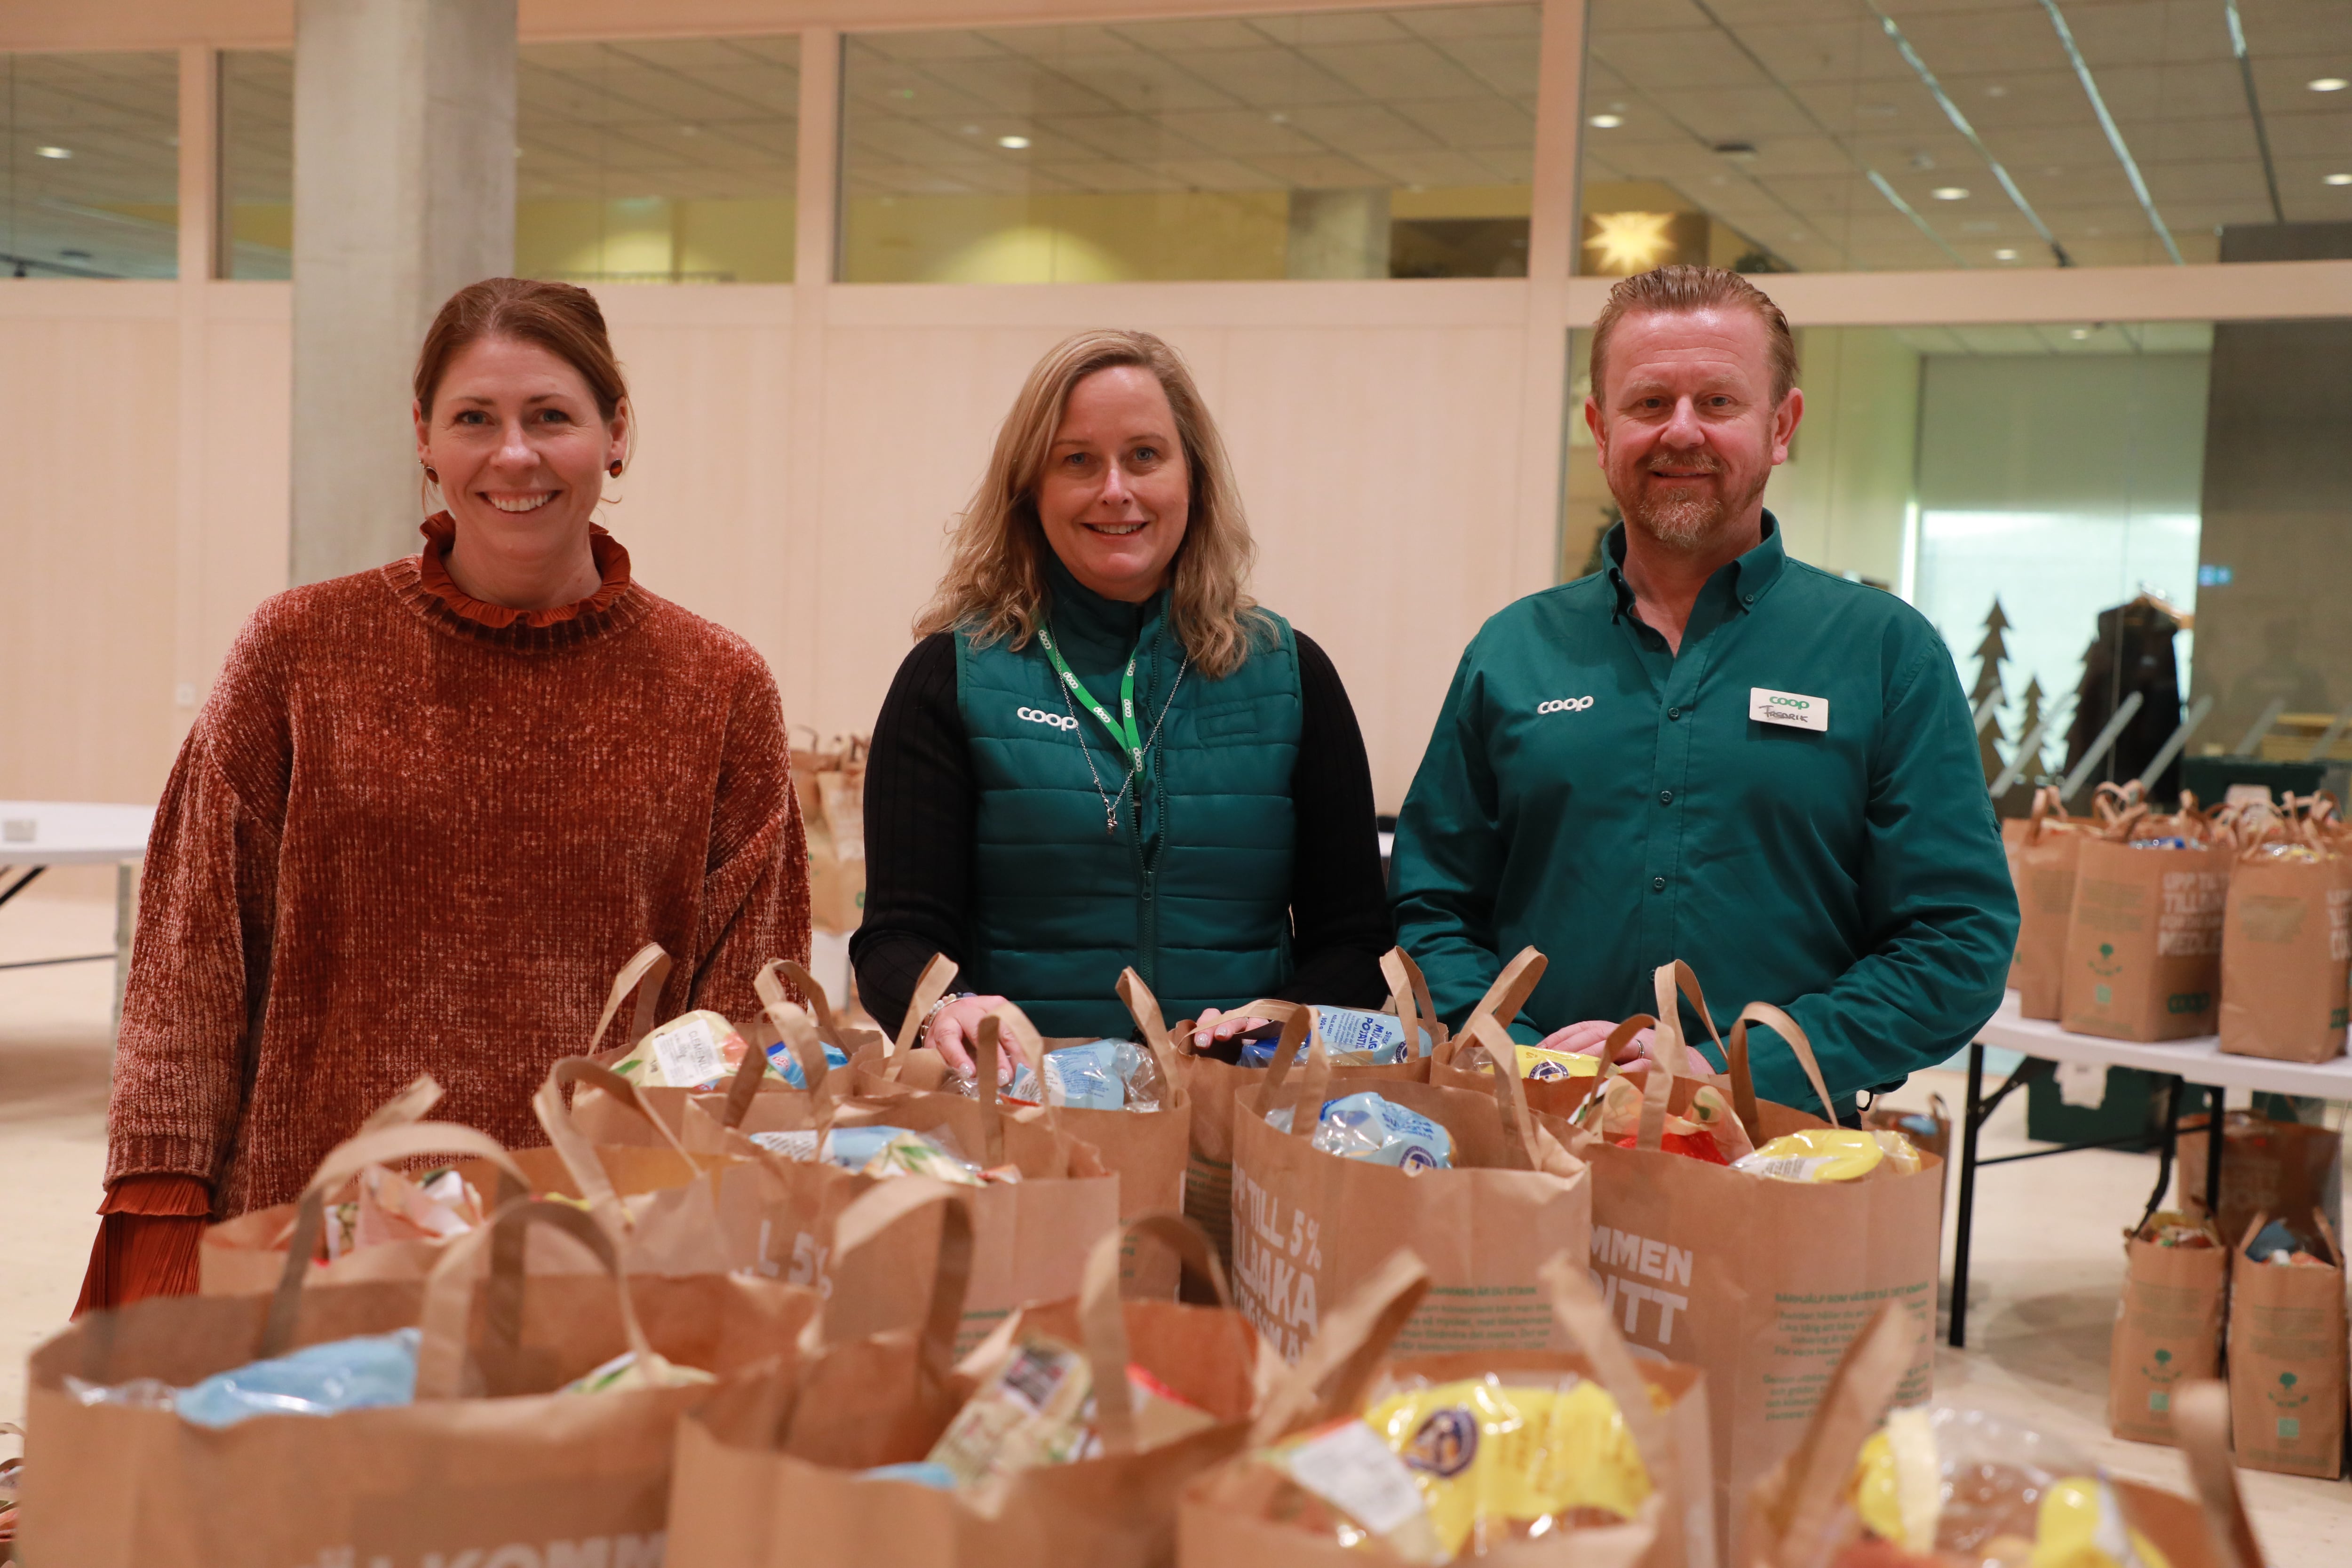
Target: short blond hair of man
{"x": 1683, "y": 289}
{"x": 996, "y": 583}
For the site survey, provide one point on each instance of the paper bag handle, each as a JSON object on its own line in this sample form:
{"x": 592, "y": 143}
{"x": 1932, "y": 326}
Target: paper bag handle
{"x": 1583, "y": 1317}
{"x": 1794, "y": 1504}
{"x": 1510, "y": 1093}
{"x": 1408, "y": 992}
{"x": 784, "y": 1023}
{"x": 646, "y": 970}
{"x": 1303, "y": 1030}
{"x": 1348, "y": 1348}
{"x": 1002, "y": 1028}
{"x": 1743, "y": 1081}
{"x": 2201, "y": 1428}
{"x": 1144, "y": 1008}
{"x": 875, "y": 1211}
{"x": 1678, "y": 1057}
{"x": 813, "y": 999}
{"x": 449, "y": 1290}
{"x": 1511, "y": 989}
{"x": 572, "y": 1146}
{"x": 930, "y": 986}
{"x": 348, "y": 1159}
{"x": 1102, "y": 1316}
{"x": 410, "y": 1104}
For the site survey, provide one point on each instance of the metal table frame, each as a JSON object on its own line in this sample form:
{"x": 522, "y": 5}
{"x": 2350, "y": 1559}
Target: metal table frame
{"x": 2179, "y": 1066}
{"x": 75, "y": 834}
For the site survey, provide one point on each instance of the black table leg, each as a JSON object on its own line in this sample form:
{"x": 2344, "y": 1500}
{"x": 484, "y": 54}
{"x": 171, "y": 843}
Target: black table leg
{"x": 1971, "y": 1119}
{"x": 2214, "y": 1096}
{"x": 2174, "y": 1091}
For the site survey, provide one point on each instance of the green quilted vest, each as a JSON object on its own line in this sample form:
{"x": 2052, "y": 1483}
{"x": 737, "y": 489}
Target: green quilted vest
{"x": 1193, "y": 890}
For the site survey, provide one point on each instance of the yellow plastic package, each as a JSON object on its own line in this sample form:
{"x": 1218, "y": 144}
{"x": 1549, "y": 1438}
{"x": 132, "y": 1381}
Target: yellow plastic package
{"x": 1831, "y": 1154}
{"x": 1438, "y": 1472}
{"x": 1959, "y": 1488}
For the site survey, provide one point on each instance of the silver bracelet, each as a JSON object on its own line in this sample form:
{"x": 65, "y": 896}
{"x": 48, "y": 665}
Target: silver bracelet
{"x": 937, "y": 1008}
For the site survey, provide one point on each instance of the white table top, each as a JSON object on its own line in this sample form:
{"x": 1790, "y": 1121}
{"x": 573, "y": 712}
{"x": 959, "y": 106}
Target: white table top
{"x": 73, "y": 833}
{"x": 2197, "y": 1059}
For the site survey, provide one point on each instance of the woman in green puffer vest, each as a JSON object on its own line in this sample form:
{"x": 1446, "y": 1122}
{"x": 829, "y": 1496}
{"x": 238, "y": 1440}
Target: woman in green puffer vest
{"x": 1102, "y": 752}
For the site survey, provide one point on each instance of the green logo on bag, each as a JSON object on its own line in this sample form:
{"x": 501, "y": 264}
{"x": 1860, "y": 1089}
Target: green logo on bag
{"x": 2104, "y": 995}
{"x": 2188, "y": 1002}
{"x": 2104, "y": 964}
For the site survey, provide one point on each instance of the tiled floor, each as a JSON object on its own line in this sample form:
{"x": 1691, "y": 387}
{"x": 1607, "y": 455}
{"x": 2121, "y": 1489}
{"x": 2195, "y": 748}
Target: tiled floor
{"x": 2049, "y": 1253}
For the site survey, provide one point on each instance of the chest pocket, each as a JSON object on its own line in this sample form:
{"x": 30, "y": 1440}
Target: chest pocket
{"x": 1224, "y": 723}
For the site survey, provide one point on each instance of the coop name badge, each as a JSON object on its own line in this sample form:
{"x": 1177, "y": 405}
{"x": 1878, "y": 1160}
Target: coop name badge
{"x": 1789, "y": 710}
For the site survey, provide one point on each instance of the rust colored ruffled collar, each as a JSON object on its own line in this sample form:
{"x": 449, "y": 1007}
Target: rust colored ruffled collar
{"x": 432, "y": 573}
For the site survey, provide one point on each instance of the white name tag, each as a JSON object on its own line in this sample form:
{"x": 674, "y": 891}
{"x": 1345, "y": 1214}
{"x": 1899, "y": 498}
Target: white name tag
{"x": 1793, "y": 709}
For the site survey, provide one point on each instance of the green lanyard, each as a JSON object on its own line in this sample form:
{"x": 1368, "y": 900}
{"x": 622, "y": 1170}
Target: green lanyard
{"x": 1128, "y": 736}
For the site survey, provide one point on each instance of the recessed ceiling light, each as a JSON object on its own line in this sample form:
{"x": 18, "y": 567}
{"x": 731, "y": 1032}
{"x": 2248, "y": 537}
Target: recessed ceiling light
{"x": 1950, "y": 193}
{"x": 2336, "y": 179}
{"x": 1013, "y": 143}
{"x": 2079, "y": 333}
{"x": 2327, "y": 84}
{"x": 2004, "y": 254}
{"x": 53, "y": 152}
{"x": 1606, "y": 122}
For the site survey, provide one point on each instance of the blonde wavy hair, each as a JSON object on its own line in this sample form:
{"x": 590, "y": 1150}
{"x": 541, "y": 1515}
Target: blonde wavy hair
{"x": 995, "y": 581}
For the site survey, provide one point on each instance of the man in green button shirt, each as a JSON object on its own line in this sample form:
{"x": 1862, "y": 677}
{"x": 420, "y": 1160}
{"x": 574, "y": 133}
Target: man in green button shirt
{"x": 1710, "y": 751}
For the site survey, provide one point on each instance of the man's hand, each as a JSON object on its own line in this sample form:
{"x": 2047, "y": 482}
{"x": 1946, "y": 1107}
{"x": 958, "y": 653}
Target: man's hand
{"x": 1215, "y": 1027}
{"x": 1587, "y": 1039}
{"x": 956, "y": 1029}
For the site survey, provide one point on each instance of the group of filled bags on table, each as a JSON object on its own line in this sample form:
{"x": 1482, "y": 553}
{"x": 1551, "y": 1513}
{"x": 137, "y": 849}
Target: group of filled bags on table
{"x": 784, "y": 1293}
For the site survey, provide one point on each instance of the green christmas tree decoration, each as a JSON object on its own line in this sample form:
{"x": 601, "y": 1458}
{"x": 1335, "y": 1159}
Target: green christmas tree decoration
{"x": 1991, "y": 654}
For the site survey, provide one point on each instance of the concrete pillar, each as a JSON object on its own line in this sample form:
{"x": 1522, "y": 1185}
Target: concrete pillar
{"x": 1339, "y": 233}
{"x": 403, "y": 192}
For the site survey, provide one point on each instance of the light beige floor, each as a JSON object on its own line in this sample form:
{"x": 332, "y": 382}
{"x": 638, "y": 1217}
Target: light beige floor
{"x": 2049, "y": 1254}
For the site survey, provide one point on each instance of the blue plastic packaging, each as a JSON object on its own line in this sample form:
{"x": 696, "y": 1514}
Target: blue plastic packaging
{"x": 781, "y": 1057}
{"x": 364, "y": 1374}
{"x": 1366, "y": 1126}
{"x": 1088, "y": 1077}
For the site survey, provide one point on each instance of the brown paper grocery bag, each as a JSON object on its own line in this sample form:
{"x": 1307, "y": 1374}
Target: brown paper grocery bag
{"x": 246, "y": 1256}
{"x": 1217, "y": 1087}
{"x": 2267, "y": 1167}
{"x": 1226, "y": 1519}
{"x": 527, "y": 1474}
{"x": 2144, "y": 939}
{"x": 831, "y": 783}
{"x": 2287, "y": 938}
{"x": 1800, "y": 1514}
{"x": 2168, "y": 1327}
{"x": 770, "y": 1477}
{"x": 1460, "y": 1062}
{"x": 1033, "y": 1232}
{"x": 2287, "y": 1357}
{"x": 1762, "y": 1283}
{"x": 2042, "y": 866}
{"x": 1309, "y": 1226}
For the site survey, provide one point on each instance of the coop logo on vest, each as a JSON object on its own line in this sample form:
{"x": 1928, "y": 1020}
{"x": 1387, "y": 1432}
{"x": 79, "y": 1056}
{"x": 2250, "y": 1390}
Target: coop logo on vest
{"x": 1565, "y": 705}
{"x": 1058, "y": 721}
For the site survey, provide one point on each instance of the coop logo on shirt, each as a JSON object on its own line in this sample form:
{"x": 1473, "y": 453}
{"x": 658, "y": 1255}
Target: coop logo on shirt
{"x": 1565, "y": 705}
{"x": 1039, "y": 716}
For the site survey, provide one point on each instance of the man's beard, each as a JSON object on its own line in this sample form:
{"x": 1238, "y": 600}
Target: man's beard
{"x": 1685, "y": 521}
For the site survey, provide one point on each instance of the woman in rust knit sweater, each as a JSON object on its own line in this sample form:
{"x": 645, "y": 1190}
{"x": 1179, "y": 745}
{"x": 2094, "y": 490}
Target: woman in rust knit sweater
{"x": 429, "y": 809}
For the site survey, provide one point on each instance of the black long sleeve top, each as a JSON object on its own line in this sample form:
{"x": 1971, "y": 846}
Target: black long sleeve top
{"x": 920, "y": 806}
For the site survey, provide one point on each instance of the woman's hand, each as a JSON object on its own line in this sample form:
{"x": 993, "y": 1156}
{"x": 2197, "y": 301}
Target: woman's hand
{"x": 955, "y": 1030}
{"x": 1589, "y": 1038}
{"x": 1213, "y": 1026}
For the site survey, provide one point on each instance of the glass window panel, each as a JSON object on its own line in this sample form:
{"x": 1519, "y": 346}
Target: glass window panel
{"x": 92, "y": 183}
{"x": 1832, "y": 139}
{"x": 257, "y": 162}
{"x": 665, "y": 162}
{"x": 1357, "y": 145}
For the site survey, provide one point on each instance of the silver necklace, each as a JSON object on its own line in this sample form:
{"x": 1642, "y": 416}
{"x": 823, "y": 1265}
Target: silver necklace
{"x": 1110, "y": 802}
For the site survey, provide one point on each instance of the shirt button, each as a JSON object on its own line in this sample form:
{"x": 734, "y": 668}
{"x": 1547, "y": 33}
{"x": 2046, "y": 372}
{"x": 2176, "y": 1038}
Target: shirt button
{"x": 1666, "y": 797}
{"x": 1748, "y": 598}
{"x": 1673, "y": 712}
{"x": 1657, "y": 884}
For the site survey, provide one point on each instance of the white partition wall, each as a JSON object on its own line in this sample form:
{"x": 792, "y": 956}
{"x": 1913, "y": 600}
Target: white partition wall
{"x": 803, "y": 444}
